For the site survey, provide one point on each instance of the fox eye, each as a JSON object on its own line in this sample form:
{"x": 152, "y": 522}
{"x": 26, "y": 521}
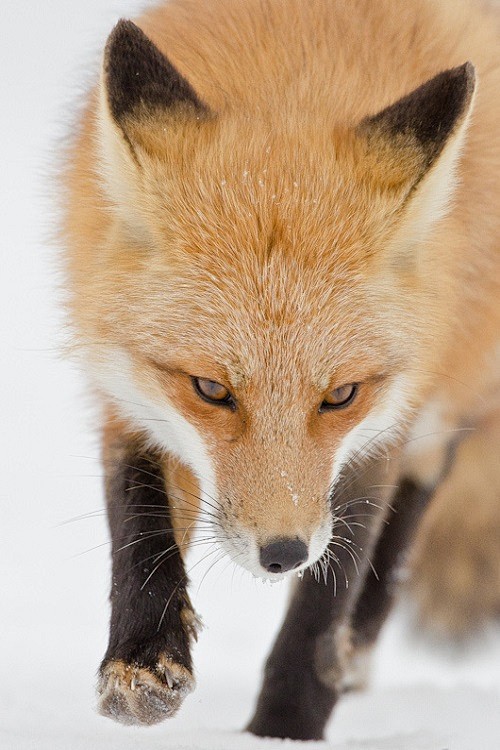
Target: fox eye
{"x": 339, "y": 398}
{"x": 213, "y": 392}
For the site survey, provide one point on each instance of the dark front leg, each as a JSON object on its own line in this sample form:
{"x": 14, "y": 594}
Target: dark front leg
{"x": 293, "y": 702}
{"x": 301, "y": 681}
{"x": 147, "y": 670}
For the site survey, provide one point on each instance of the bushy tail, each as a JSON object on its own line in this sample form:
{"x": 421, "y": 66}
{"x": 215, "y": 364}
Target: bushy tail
{"x": 455, "y": 567}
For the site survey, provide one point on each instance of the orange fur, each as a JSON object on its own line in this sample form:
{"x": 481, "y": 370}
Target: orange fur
{"x": 270, "y": 247}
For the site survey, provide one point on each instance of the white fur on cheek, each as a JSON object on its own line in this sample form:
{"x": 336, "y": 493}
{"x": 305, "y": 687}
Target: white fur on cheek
{"x": 380, "y": 428}
{"x": 161, "y": 421}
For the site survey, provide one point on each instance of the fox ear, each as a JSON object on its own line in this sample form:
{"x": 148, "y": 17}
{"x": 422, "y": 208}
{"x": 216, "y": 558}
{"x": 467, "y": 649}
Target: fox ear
{"x": 413, "y": 145}
{"x": 142, "y": 97}
{"x": 138, "y": 78}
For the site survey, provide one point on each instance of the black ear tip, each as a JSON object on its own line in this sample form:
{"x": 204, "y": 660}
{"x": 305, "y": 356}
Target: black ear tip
{"x": 124, "y": 26}
{"x": 470, "y": 77}
{"x": 458, "y": 85}
{"x": 127, "y": 26}
{"x": 468, "y": 71}
{"x": 137, "y": 74}
{"x": 124, "y": 34}
{"x": 464, "y": 77}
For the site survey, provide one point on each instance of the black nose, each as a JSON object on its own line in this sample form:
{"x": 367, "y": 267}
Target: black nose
{"x": 283, "y": 554}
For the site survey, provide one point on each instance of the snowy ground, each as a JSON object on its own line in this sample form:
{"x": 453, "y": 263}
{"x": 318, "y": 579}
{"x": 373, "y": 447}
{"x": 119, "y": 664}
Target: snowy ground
{"x": 53, "y": 602}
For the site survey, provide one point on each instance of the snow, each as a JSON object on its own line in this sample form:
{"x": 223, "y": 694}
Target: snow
{"x": 54, "y": 592}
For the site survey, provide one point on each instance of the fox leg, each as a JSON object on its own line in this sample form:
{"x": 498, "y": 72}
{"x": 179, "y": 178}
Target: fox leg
{"x": 455, "y": 570}
{"x": 293, "y": 702}
{"x": 147, "y": 670}
{"x": 377, "y": 595}
{"x": 300, "y": 685}
{"x": 390, "y": 563}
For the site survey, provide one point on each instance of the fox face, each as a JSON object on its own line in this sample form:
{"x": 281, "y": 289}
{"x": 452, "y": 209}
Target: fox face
{"x": 262, "y": 287}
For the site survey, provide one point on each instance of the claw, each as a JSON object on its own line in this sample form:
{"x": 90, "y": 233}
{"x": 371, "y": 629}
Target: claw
{"x": 169, "y": 679}
{"x": 135, "y": 695}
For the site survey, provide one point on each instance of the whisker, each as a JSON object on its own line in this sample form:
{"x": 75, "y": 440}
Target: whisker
{"x": 163, "y": 491}
{"x": 212, "y": 565}
{"x": 153, "y": 462}
{"x": 361, "y": 452}
{"x": 450, "y": 431}
{"x": 164, "y": 559}
{"x": 187, "y": 545}
{"x": 183, "y": 579}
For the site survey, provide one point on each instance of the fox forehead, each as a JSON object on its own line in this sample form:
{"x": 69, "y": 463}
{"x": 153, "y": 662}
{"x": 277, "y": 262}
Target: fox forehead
{"x": 255, "y": 188}
{"x": 281, "y": 322}
{"x": 263, "y": 256}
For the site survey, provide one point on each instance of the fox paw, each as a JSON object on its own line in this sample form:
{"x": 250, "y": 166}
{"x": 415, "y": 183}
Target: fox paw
{"x": 131, "y": 694}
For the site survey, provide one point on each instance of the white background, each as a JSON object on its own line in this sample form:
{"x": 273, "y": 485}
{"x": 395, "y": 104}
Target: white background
{"x": 53, "y": 603}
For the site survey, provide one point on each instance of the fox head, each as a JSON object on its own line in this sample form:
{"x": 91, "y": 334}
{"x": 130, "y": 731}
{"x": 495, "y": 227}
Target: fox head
{"x": 267, "y": 298}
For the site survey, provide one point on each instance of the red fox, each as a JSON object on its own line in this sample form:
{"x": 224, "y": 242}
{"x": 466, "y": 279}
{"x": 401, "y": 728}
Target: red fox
{"x": 282, "y": 245}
